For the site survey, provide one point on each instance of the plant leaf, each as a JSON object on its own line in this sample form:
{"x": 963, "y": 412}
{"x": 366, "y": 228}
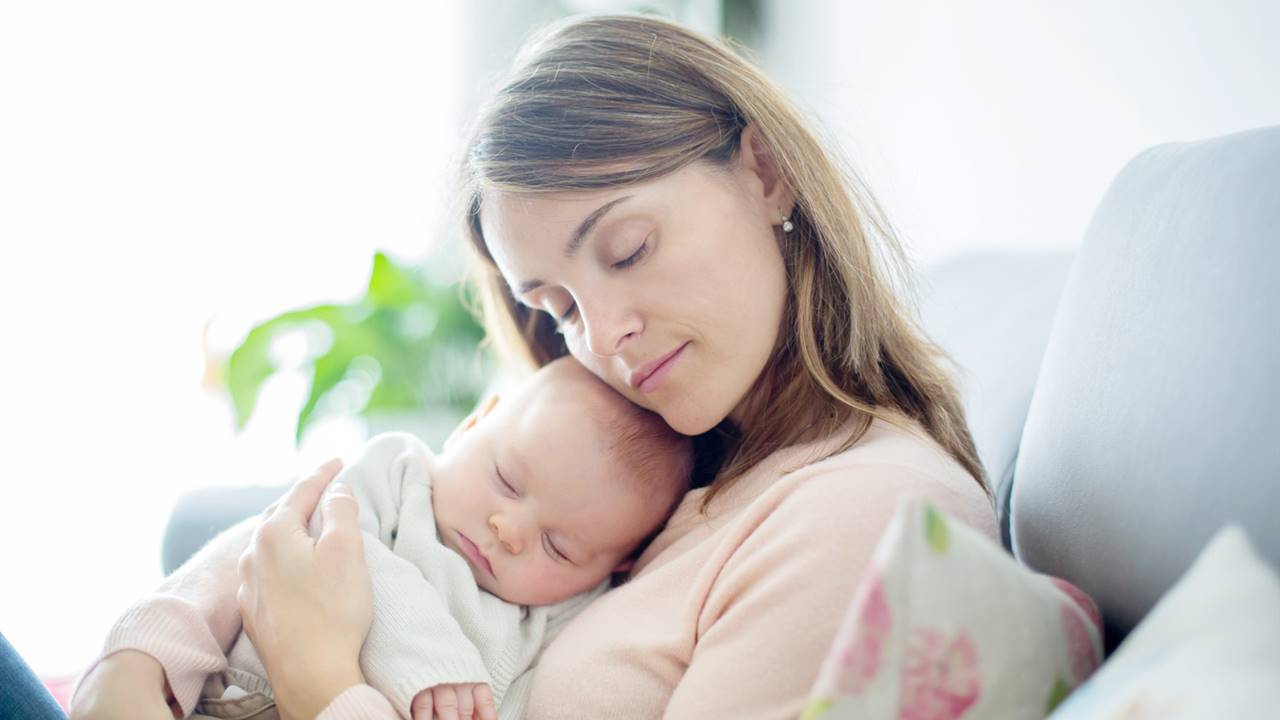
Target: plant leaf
{"x": 422, "y": 335}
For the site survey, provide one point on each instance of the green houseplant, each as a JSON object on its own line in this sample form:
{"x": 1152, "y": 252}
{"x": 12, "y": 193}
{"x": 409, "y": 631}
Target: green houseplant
{"x": 409, "y": 345}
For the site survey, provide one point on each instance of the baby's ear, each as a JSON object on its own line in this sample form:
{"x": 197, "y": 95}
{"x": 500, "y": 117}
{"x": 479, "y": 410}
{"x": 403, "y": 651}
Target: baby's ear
{"x": 484, "y": 408}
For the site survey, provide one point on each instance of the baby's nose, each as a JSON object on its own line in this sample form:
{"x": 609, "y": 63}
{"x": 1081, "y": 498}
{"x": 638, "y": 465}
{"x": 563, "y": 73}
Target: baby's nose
{"x": 507, "y": 534}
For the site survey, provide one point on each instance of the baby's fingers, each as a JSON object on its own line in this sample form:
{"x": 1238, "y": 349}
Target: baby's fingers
{"x": 485, "y": 707}
{"x": 466, "y": 703}
{"x": 446, "y": 702}
{"x": 421, "y": 708}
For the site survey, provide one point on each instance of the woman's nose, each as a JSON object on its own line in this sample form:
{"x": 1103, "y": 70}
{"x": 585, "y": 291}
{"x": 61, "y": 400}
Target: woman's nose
{"x": 507, "y": 532}
{"x": 607, "y": 325}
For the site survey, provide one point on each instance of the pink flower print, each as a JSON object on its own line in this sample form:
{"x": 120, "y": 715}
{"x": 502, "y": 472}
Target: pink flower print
{"x": 1080, "y": 648}
{"x": 1081, "y": 598}
{"x": 860, "y": 660}
{"x": 940, "y": 676}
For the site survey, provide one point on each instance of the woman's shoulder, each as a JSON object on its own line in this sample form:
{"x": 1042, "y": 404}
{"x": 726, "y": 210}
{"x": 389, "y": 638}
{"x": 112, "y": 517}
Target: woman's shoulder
{"x": 814, "y": 520}
{"x": 898, "y": 446}
{"x": 863, "y": 484}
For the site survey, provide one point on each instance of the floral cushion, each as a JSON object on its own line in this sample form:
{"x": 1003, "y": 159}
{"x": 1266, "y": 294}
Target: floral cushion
{"x": 945, "y": 624}
{"x": 1209, "y": 649}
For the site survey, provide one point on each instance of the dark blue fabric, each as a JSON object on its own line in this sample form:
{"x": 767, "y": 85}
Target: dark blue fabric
{"x": 22, "y": 695}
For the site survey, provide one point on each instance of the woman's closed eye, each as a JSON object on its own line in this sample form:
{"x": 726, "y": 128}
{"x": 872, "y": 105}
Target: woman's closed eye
{"x": 566, "y": 317}
{"x": 568, "y": 314}
{"x": 551, "y": 306}
{"x": 636, "y": 256}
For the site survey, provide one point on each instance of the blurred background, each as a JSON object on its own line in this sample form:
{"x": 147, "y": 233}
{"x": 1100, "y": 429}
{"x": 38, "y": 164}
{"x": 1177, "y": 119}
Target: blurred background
{"x": 226, "y": 253}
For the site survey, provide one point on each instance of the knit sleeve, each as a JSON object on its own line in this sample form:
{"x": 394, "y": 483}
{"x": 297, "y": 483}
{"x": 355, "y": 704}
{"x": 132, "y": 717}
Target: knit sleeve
{"x": 414, "y": 642}
{"x": 359, "y": 702}
{"x": 771, "y": 614}
{"x": 190, "y": 621}
{"x": 171, "y": 630}
{"x": 431, "y": 624}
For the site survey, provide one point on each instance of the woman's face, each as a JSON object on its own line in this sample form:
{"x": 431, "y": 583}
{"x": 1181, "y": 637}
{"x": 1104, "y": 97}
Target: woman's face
{"x": 672, "y": 290}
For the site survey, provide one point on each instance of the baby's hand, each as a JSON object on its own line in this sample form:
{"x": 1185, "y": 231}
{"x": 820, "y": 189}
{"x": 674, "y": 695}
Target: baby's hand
{"x": 464, "y": 701}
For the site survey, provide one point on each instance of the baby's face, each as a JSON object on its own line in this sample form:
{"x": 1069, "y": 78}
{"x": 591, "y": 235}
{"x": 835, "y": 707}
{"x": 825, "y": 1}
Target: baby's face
{"x": 531, "y": 497}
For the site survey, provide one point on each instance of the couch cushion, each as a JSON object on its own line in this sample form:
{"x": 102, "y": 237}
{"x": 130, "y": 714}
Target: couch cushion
{"x": 946, "y": 624}
{"x": 201, "y": 514}
{"x": 992, "y": 312}
{"x": 1209, "y": 649}
{"x": 1156, "y": 416}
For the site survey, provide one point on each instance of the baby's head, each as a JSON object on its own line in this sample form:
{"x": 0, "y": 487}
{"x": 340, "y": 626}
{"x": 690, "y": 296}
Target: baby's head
{"x": 554, "y": 487}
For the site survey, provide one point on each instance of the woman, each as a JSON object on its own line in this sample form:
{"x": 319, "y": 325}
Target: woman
{"x": 641, "y": 198}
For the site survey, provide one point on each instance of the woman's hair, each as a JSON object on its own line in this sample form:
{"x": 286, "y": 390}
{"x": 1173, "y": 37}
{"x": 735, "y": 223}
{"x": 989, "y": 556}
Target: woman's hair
{"x": 603, "y": 102}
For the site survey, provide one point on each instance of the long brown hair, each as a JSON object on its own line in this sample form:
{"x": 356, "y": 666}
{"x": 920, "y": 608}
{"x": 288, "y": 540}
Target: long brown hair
{"x": 606, "y": 101}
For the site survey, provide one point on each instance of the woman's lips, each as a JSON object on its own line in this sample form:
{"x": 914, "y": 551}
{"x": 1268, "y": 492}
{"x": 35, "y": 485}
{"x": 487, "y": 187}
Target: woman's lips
{"x": 475, "y": 556}
{"x": 650, "y": 377}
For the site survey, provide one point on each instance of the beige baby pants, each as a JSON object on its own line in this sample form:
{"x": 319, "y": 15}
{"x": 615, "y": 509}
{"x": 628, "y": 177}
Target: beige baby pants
{"x": 212, "y": 706}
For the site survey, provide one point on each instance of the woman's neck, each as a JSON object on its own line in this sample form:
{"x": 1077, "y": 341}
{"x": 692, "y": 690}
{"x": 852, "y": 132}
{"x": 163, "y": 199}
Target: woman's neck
{"x": 768, "y": 397}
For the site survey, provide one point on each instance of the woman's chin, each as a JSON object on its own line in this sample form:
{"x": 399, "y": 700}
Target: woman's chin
{"x": 688, "y": 420}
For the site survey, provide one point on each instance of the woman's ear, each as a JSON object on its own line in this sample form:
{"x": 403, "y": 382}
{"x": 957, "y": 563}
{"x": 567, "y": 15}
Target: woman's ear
{"x": 484, "y": 408}
{"x": 757, "y": 158}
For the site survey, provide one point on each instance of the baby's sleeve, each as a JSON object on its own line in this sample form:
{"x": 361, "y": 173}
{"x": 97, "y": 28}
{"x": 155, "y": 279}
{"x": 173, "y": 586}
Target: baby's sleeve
{"x": 414, "y": 641}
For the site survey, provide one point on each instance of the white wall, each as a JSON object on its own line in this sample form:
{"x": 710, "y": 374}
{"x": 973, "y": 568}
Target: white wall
{"x": 990, "y": 122}
{"x": 167, "y": 168}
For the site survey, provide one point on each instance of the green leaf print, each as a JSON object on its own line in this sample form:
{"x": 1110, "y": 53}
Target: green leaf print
{"x": 935, "y": 529}
{"x": 817, "y": 708}
{"x": 1059, "y": 693}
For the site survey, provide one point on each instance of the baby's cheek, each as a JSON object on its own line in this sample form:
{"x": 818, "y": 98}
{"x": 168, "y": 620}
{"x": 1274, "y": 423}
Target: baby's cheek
{"x": 549, "y": 585}
{"x": 544, "y": 585}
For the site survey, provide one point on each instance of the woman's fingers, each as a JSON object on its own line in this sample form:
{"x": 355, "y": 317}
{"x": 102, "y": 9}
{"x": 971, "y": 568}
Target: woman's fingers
{"x": 298, "y": 504}
{"x": 339, "y": 526}
{"x": 307, "y": 605}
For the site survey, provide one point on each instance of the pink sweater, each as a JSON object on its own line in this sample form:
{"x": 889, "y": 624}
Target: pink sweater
{"x": 727, "y": 614}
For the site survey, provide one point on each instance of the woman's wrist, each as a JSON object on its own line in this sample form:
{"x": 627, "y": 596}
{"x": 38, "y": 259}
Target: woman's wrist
{"x": 124, "y": 679}
{"x": 304, "y": 690}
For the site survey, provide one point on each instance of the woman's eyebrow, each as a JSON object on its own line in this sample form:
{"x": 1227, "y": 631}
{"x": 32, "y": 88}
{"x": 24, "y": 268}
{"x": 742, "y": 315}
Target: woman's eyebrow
{"x": 580, "y": 235}
{"x": 577, "y": 239}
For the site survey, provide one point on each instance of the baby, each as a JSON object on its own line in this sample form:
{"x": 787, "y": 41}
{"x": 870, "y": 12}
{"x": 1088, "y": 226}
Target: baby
{"x": 478, "y": 553}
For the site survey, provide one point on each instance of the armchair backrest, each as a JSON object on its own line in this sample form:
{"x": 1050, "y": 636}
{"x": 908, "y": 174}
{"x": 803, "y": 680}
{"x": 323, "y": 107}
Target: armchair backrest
{"x": 1155, "y": 417}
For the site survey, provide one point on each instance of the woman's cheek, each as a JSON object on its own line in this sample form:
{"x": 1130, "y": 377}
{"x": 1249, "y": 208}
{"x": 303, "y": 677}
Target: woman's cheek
{"x": 597, "y": 366}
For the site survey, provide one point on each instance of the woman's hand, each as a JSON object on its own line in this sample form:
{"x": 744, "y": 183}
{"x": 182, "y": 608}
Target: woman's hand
{"x": 307, "y": 602}
{"x": 124, "y": 686}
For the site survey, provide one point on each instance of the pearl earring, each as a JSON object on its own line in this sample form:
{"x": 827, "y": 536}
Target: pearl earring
{"x": 787, "y": 225}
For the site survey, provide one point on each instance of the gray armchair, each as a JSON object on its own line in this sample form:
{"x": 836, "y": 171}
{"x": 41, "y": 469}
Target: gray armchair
{"x": 1122, "y": 429}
